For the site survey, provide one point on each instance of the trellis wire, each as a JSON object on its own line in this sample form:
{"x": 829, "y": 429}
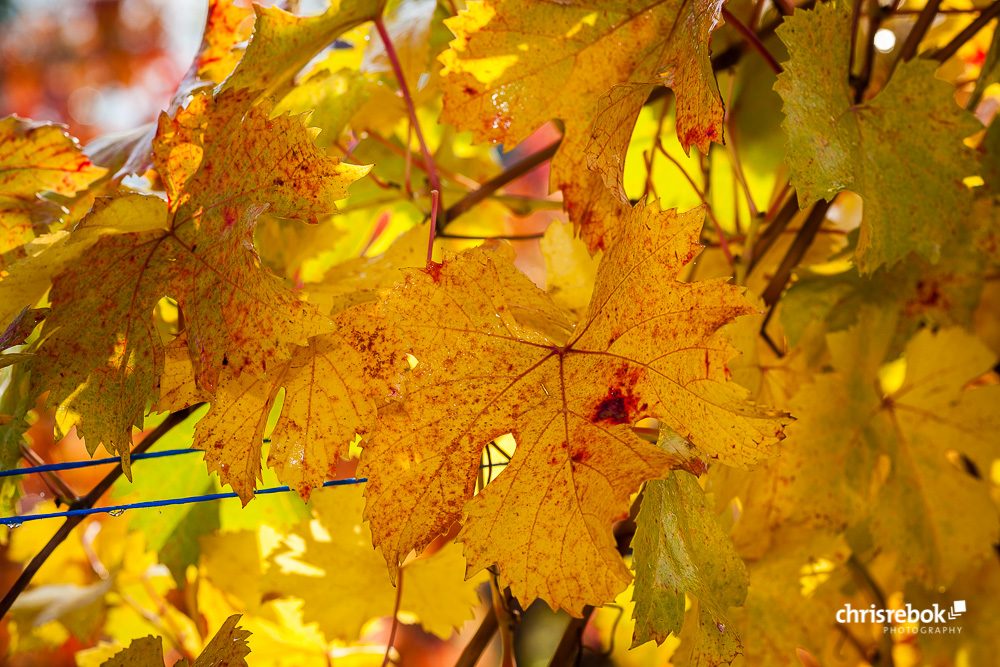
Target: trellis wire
{"x": 72, "y": 465}
{"x": 111, "y": 509}
{"x": 18, "y": 520}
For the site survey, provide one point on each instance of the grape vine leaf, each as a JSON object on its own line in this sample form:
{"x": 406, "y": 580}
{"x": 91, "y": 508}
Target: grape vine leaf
{"x": 649, "y": 346}
{"x": 22, "y": 326}
{"x": 283, "y": 43}
{"x": 228, "y": 647}
{"x": 37, "y": 158}
{"x": 515, "y": 65}
{"x": 219, "y": 55}
{"x": 795, "y": 589}
{"x": 333, "y": 386}
{"x": 925, "y": 295}
{"x": 102, "y": 356}
{"x": 910, "y": 179}
{"x": 355, "y": 587}
{"x": 862, "y": 451}
{"x": 142, "y": 652}
{"x": 131, "y": 152}
{"x": 679, "y": 548}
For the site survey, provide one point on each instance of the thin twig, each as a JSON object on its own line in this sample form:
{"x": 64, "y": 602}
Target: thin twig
{"x": 506, "y": 620}
{"x": 970, "y": 31}
{"x": 502, "y": 237}
{"x": 395, "y": 616}
{"x": 766, "y": 239}
{"x": 87, "y": 501}
{"x": 56, "y": 484}
{"x": 752, "y": 40}
{"x": 784, "y": 7}
{"x": 865, "y": 77}
{"x": 855, "y": 24}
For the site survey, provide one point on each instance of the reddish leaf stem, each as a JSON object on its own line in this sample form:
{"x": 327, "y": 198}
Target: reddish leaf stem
{"x": 751, "y": 37}
{"x": 395, "y": 616}
{"x": 435, "y": 195}
{"x": 404, "y": 89}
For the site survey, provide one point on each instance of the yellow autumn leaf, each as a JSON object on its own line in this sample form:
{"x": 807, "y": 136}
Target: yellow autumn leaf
{"x": 228, "y": 647}
{"x": 357, "y": 280}
{"x": 283, "y": 43}
{"x": 354, "y": 587}
{"x": 649, "y": 347}
{"x": 515, "y": 65}
{"x": 102, "y": 349}
{"x": 37, "y": 158}
{"x": 332, "y": 388}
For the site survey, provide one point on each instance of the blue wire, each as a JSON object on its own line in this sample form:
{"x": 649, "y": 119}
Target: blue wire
{"x": 18, "y": 520}
{"x": 71, "y": 465}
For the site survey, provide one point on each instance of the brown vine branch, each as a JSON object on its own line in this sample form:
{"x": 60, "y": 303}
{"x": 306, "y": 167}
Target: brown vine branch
{"x": 484, "y": 635}
{"x": 773, "y": 231}
{"x": 569, "y": 644}
{"x": 502, "y": 237}
{"x": 56, "y": 484}
{"x": 87, "y": 502}
{"x": 511, "y": 173}
{"x": 952, "y": 47}
{"x": 795, "y": 254}
{"x": 923, "y": 24}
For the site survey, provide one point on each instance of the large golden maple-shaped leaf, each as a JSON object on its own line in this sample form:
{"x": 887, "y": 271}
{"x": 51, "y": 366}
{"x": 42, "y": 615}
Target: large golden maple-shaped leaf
{"x": 222, "y": 164}
{"x": 36, "y": 158}
{"x": 910, "y": 180}
{"x": 517, "y": 64}
{"x": 649, "y": 346}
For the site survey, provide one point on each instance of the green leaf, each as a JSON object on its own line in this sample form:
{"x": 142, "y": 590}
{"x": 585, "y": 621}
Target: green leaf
{"x": 902, "y": 150}
{"x": 679, "y": 547}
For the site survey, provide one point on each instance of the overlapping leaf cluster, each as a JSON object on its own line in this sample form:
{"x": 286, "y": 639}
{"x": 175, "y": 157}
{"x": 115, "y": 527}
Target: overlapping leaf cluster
{"x": 866, "y": 323}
